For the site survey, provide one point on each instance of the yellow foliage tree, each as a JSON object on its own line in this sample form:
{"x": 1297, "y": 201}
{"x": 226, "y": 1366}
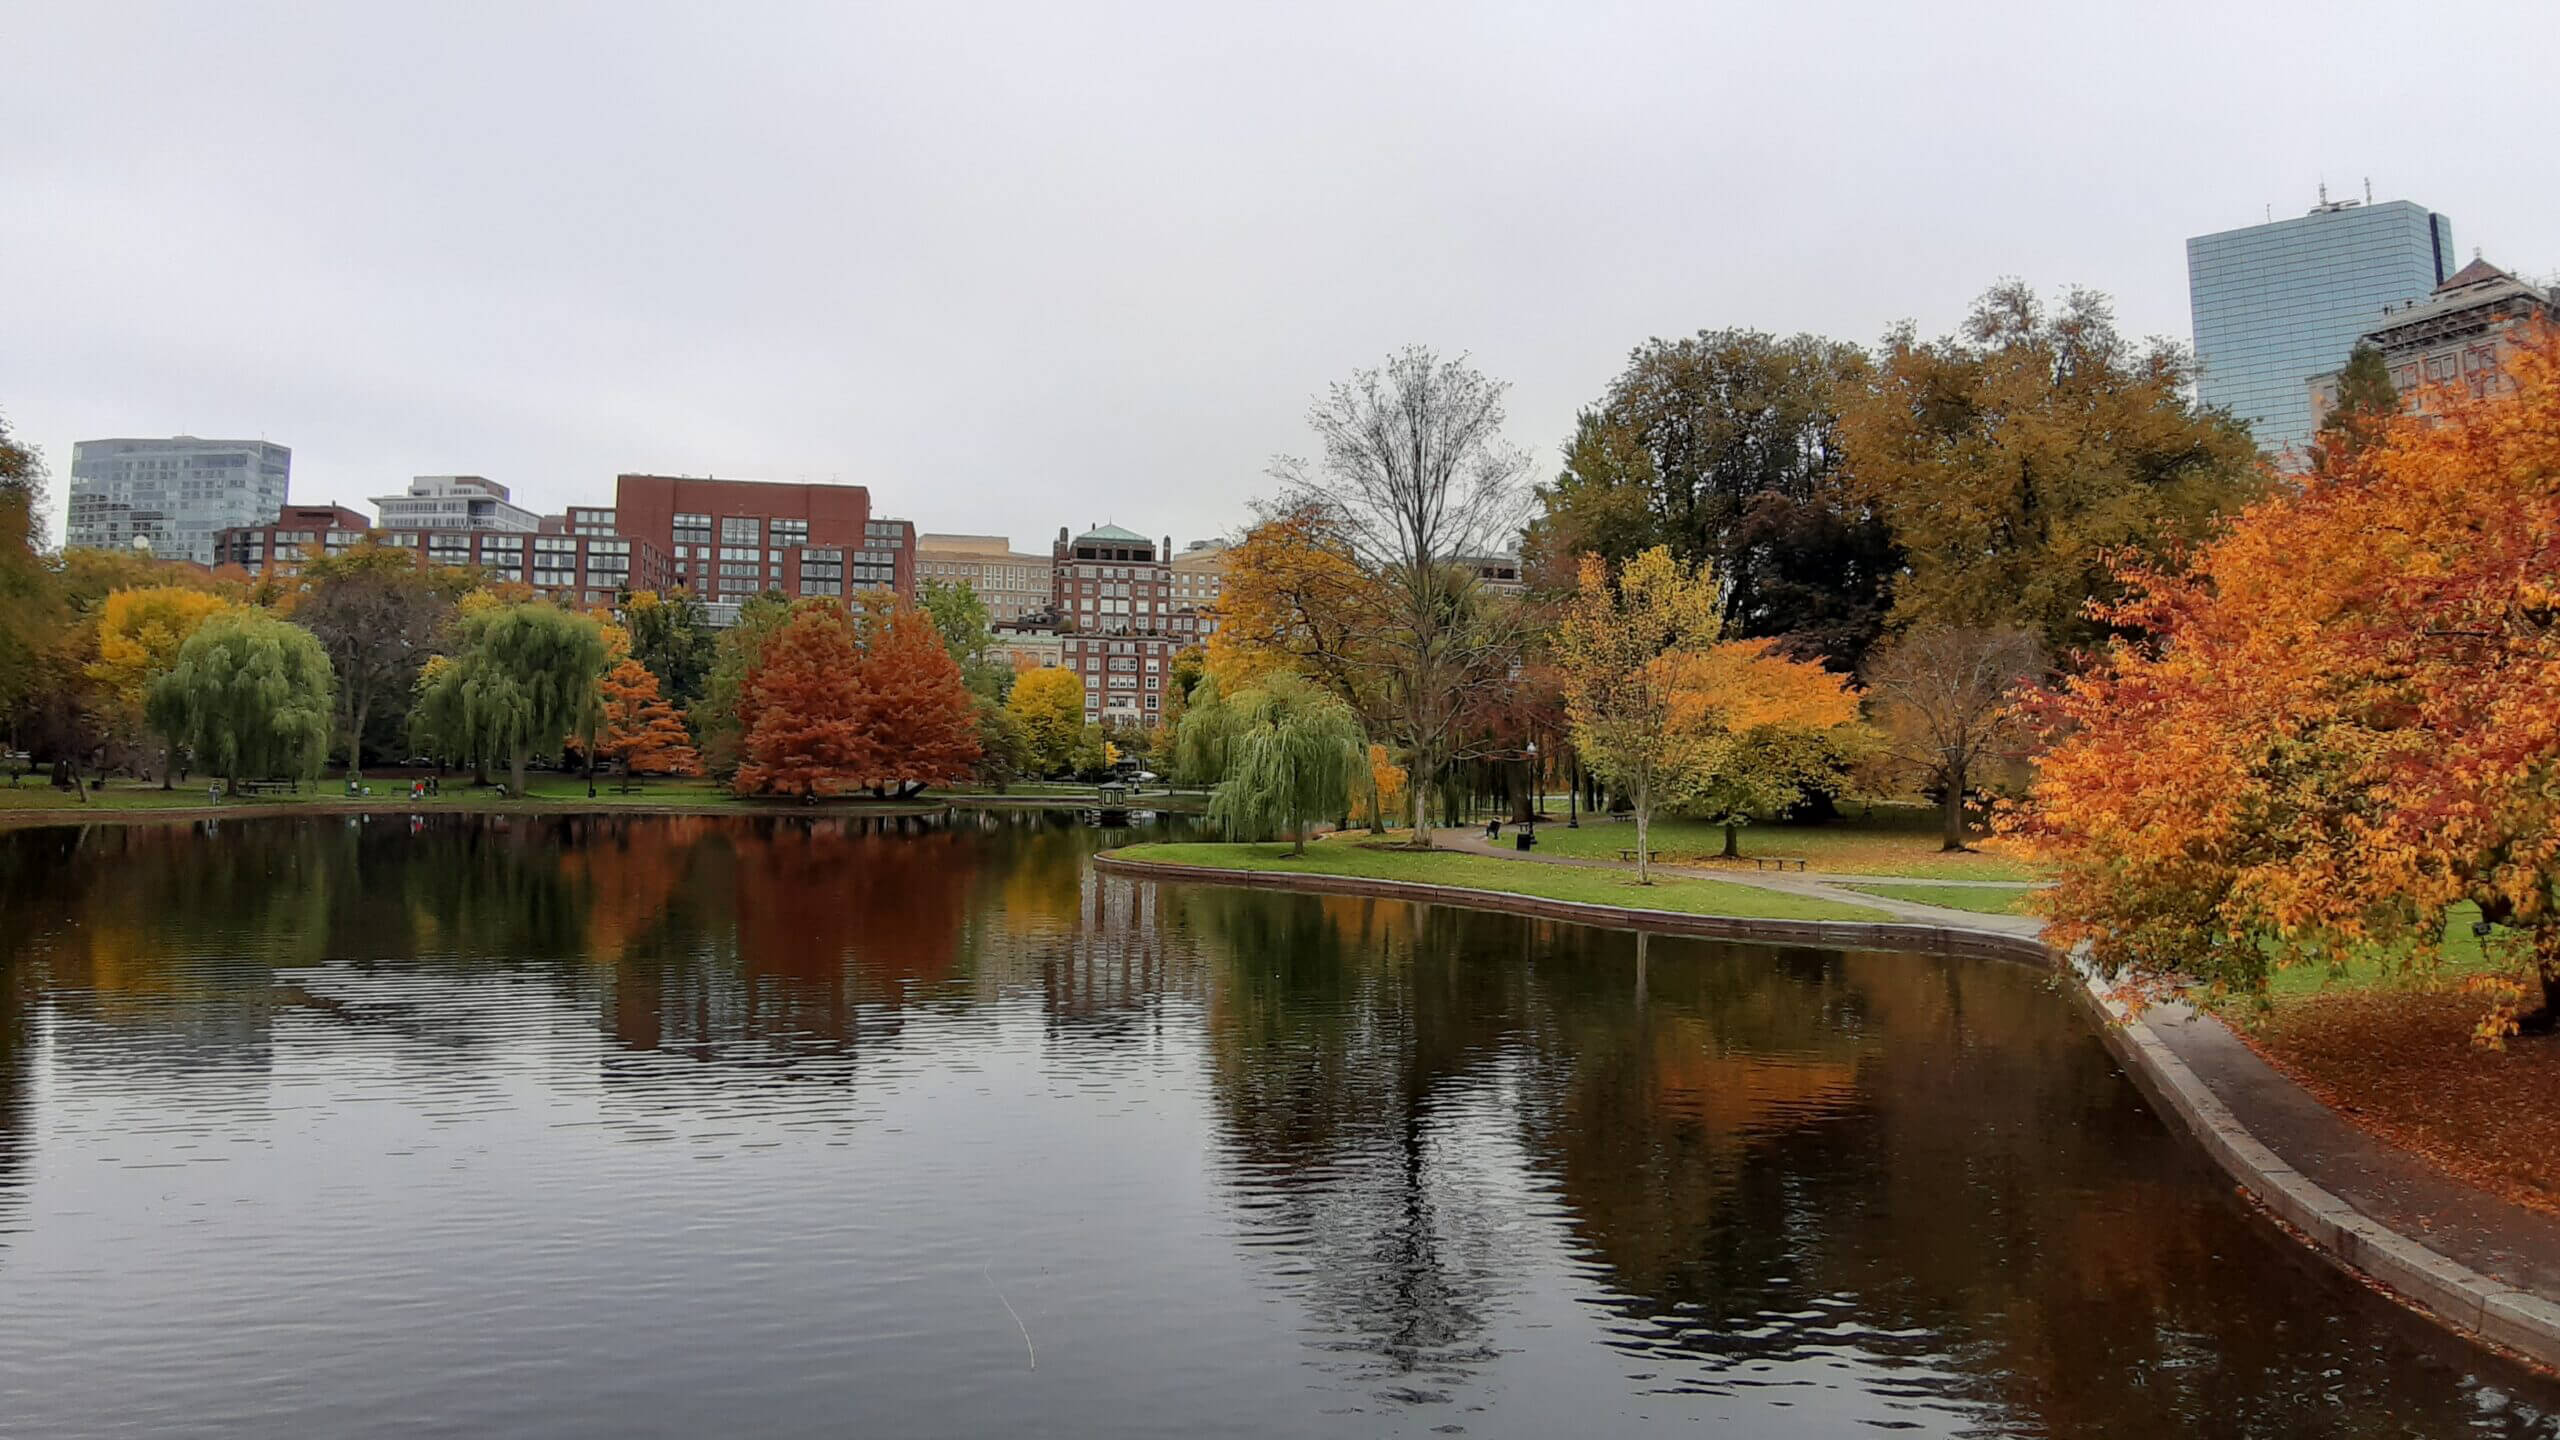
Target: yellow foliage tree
{"x": 1621, "y": 652}
{"x": 139, "y": 634}
{"x": 1293, "y": 598}
{"x": 1776, "y": 725}
{"x": 1048, "y": 705}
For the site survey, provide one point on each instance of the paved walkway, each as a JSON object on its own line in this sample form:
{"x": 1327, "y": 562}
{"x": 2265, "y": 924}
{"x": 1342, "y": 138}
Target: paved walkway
{"x": 2504, "y": 1242}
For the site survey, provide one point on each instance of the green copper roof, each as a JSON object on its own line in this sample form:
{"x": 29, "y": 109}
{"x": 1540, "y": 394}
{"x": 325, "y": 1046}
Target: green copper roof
{"x": 1114, "y": 534}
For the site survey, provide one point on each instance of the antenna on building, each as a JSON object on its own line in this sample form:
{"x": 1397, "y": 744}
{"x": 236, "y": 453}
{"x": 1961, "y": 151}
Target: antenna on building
{"x": 2324, "y": 192}
{"x": 2368, "y": 189}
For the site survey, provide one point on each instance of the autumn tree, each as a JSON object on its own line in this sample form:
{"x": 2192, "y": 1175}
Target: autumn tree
{"x": 378, "y": 614}
{"x": 1725, "y": 447}
{"x": 140, "y": 633}
{"x": 1047, "y": 707}
{"x": 641, "y": 730}
{"x": 918, "y": 712}
{"x": 249, "y": 695}
{"x": 1620, "y": 651}
{"x": 2346, "y": 721}
{"x": 1416, "y": 480}
{"x": 1944, "y": 697}
{"x": 518, "y": 676}
{"x": 29, "y": 606}
{"x": 1292, "y": 752}
{"x": 1777, "y": 726}
{"x": 1295, "y": 597}
{"x": 2015, "y": 462}
{"x": 801, "y": 709}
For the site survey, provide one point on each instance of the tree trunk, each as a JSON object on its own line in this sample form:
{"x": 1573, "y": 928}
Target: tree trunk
{"x": 168, "y": 765}
{"x": 1951, "y": 811}
{"x": 1297, "y": 837}
{"x": 356, "y": 716}
{"x": 1421, "y": 807}
{"x": 515, "y": 769}
{"x": 2544, "y": 1019}
{"x": 1524, "y": 808}
{"x": 1644, "y": 832}
{"x": 1732, "y": 841}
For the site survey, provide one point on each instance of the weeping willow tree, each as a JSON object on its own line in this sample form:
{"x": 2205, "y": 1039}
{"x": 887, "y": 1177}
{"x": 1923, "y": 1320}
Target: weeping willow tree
{"x": 520, "y": 676}
{"x": 1287, "y": 752}
{"x": 250, "y": 695}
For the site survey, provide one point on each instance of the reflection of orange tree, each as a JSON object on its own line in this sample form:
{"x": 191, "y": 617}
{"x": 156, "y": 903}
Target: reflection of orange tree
{"x": 630, "y": 872}
{"x": 847, "y": 904}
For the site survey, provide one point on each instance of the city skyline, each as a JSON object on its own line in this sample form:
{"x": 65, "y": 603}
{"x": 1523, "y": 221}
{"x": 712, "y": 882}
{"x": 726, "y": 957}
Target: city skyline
{"x": 580, "y": 270}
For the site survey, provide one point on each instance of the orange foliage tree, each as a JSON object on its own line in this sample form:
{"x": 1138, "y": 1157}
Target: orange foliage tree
{"x": 916, "y": 707}
{"x": 801, "y": 710}
{"x": 641, "y": 729}
{"x": 2343, "y": 719}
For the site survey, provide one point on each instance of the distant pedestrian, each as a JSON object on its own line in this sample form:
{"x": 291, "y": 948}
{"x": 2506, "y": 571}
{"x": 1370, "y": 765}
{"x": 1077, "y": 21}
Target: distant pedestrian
{"x": 1493, "y": 828}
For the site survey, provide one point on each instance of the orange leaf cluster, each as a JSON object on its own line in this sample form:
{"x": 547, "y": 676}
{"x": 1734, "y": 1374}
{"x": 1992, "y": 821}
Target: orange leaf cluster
{"x": 2344, "y": 719}
{"x": 837, "y": 702}
{"x": 641, "y": 729}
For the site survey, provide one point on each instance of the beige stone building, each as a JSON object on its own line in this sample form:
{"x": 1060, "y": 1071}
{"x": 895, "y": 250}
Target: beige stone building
{"x": 1012, "y": 583}
{"x": 2459, "y": 335}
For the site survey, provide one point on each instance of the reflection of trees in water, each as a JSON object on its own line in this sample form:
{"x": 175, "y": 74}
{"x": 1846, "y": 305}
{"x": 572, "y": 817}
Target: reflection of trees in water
{"x": 1776, "y": 1161}
{"x": 17, "y": 1076}
{"x": 1348, "y": 1040}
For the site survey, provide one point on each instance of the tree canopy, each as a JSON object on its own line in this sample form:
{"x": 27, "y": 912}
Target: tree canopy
{"x": 519, "y": 676}
{"x": 1291, "y": 753}
{"x": 249, "y": 696}
{"x": 2345, "y": 721}
{"x": 2018, "y": 460}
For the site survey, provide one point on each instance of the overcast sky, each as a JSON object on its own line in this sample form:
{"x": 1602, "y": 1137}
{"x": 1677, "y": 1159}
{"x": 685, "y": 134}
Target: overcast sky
{"x": 1018, "y": 267}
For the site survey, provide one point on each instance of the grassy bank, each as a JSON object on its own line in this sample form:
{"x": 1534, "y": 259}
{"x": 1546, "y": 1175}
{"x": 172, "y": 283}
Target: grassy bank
{"x": 1893, "y": 840}
{"x": 35, "y": 802}
{"x": 1344, "y": 856}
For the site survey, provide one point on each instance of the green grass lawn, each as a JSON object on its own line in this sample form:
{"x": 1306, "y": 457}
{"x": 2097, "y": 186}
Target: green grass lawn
{"x": 1344, "y": 856}
{"x": 1953, "y": 897}
{"x": 389, "y": 792}
{"x": 2462, "y": 957}
{"x": 1897, "y": 840}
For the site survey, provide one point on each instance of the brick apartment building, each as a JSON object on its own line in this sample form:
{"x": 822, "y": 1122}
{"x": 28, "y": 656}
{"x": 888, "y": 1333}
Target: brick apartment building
{"x": 1121, "y": 619}
{"x": 279, "y": 546}
{"x": 730, "y": 540}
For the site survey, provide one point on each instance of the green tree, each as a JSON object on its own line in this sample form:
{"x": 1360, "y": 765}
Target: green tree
{"x": 1618, "y": 653}
{"x": 2367, "y": 400}
{"x": 249, "y": 695}
{"x": 520, "y": 676}
{"x": 1725, "y": 447}
{"x": 1293, "y": 752}
{"x": 2019, "y": 461}
{"x": 671, "y": 638}
{"x": 378, "y": 614}
{"x": 961, "y": 618}
{"x": 716, "y": 718}
{"x": 30, "y": 606}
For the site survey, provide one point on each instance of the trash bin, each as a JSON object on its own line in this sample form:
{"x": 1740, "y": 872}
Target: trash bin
{"x": 1523, "y": 841}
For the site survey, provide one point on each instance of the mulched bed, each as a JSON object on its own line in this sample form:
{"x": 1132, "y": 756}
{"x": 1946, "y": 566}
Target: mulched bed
{"x": 2401, "y": 1065}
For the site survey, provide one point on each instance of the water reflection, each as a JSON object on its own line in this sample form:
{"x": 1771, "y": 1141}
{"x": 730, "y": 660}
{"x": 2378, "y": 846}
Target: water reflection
{"x": 1256, "y": 1163}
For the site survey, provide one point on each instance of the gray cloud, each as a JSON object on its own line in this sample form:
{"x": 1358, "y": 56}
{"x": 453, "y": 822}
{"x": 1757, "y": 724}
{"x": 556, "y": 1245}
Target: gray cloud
{"x": 1016, "y": 267}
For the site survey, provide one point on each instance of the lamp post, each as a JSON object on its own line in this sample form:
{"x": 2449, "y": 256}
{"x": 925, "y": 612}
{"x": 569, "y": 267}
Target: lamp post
{"x": 1537, "y": 784}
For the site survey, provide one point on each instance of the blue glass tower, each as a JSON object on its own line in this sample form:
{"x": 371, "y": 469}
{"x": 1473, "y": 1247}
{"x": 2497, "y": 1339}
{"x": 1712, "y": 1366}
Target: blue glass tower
{"x": 2277, "y": 304}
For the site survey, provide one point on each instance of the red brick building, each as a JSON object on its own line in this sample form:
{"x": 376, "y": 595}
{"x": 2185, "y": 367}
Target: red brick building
{"x": 732, "y": 539}
{"x": 1121, "y": 620}
{"x": 279, "y": 546}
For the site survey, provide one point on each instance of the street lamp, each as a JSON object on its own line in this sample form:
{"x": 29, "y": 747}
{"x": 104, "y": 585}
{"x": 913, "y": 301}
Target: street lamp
{"x": 1538, "y": 783}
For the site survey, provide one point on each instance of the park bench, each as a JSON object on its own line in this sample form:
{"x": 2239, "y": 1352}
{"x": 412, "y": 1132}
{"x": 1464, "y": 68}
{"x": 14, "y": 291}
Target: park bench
{"x": 1628, "y": 854}
{"x": 267, "y": 787}
{"x": 1779, "y": 862}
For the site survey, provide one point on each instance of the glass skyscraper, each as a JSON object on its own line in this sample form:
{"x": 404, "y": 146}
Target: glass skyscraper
{"x": 178, "y": 493}
{"x": 2277, "y": 304}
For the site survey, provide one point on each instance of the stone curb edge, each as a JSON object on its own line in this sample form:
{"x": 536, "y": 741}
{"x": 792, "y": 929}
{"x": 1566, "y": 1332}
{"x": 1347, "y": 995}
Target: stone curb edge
{"x": 2448, "y": 1291}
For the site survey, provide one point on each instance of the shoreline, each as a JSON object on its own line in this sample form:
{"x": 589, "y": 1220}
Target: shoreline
{"x": 2505, "y": 1317}
{"x": 13, "y": 818}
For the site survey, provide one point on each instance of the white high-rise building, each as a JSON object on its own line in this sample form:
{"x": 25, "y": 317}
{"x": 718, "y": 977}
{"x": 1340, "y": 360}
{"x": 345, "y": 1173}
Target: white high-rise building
{"x": 454, "y": 502}
{"x": 178, "y": 493}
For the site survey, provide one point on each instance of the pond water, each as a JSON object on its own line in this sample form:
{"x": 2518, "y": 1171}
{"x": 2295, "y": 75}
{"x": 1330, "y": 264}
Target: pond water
{"x": 726, "y": 1126}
